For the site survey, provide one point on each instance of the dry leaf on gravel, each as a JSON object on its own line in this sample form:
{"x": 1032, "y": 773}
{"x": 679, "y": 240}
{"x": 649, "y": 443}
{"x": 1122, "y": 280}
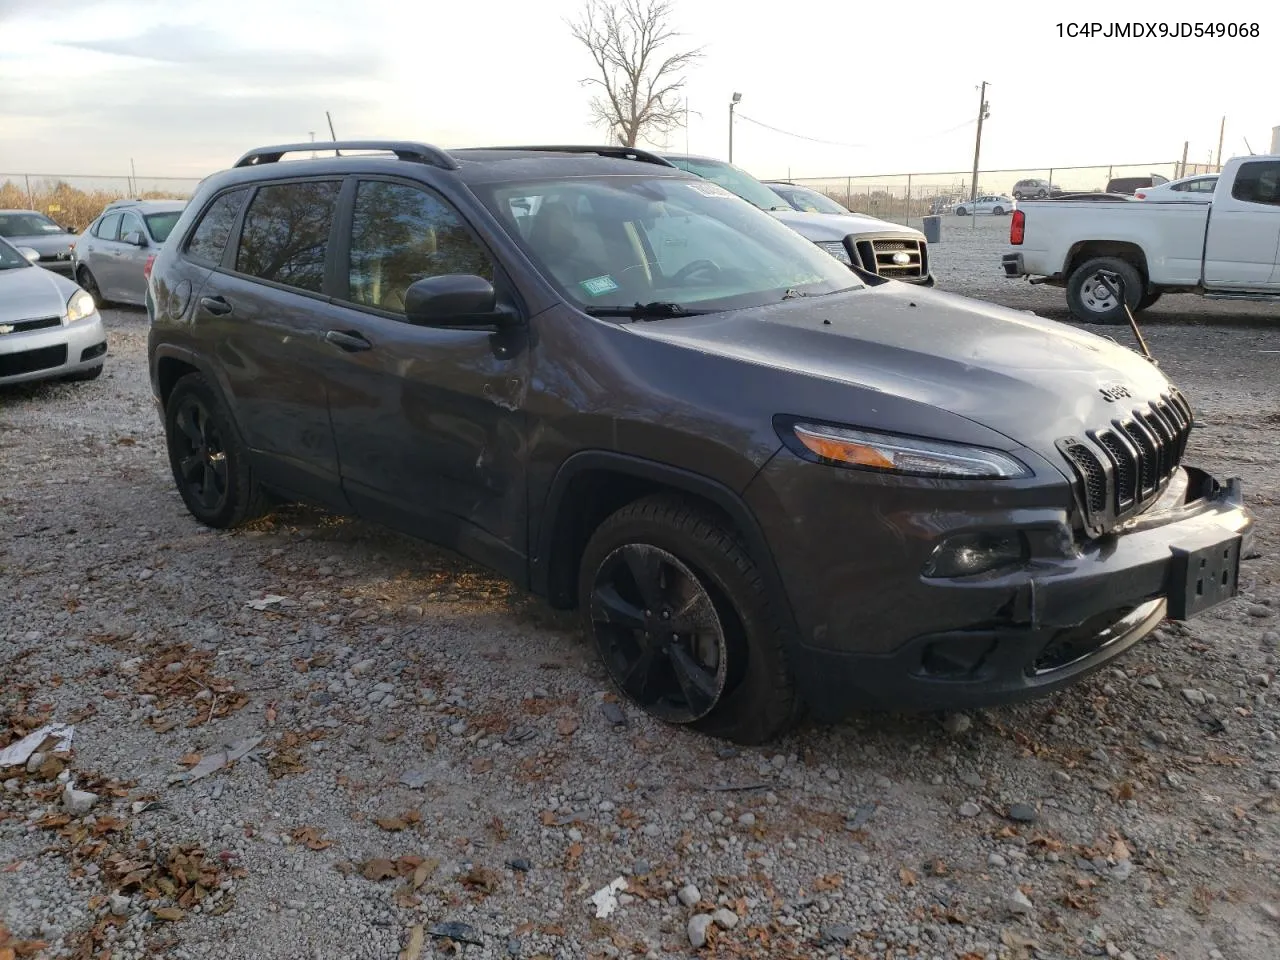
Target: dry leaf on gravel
{"x": 413, "y": 949}
{"x": 567, "y": 727}
{"x": 482, "y": 879}
{"x": 402, "y": 821}
{"x": 379, "y": 868}
{"x": 423, "y": 871}
{"x": 310, "y": 837}
{"x": 170, "y": 914}
{"x": 908, "y": 877}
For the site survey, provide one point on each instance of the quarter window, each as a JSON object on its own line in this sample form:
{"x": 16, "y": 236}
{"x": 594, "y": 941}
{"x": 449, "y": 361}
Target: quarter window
{"x": 286, "y": 233}
{"x": 209, "y": 239}
{"x": 401, "y": 234}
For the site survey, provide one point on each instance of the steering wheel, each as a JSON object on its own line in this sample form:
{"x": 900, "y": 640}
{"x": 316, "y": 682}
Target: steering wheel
{"x": 694, "y": 267}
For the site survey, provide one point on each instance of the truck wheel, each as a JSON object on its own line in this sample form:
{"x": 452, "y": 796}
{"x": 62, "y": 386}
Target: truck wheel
{"x": 1088, "y": 298}
{"x": 682, "y": 620}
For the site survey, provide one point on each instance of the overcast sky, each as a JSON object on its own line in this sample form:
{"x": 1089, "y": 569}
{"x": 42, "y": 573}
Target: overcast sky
{"x": 183, "y": 87}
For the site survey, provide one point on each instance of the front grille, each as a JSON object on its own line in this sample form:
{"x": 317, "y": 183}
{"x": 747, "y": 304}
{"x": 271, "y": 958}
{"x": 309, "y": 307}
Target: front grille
{"x": 25, "y": 326}
{"x": 877, "y": 256}
{"x": 54, "y": 257}
{"x": 29, "y": 361}
{"x": 1130, "y": 460}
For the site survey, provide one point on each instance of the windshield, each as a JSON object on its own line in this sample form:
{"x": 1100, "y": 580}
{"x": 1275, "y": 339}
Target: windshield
{"x": 806, "y": 200}
{"x": 161, "y": 224}
{"x": 731, "y": 178}
{"x": 10, "y": 257}
{"x": 613, "y": 242}
{"x": 26, "y": 225}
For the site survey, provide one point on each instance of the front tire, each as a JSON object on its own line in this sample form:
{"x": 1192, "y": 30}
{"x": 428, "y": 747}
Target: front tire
{"x": 1091, "y": 303}
{"x": 998, "y": 211}
{"x": 1149, "y": 299}
{"x": 682, "y": 620}
{"x": 211, "y": 467}
{"x": 962, "y": 212}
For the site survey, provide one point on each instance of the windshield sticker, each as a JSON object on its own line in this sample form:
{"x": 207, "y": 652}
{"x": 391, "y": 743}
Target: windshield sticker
{"x": 709, "y": 189}
{"x": 598, "y": 285}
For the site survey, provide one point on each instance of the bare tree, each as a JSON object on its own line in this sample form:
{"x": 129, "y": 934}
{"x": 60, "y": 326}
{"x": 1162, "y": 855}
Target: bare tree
{"x": 639, "y": 82}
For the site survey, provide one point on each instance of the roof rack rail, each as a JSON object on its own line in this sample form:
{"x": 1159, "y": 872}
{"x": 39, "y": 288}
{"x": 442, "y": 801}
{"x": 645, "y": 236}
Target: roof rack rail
{"x": 403, "y": 149}
{"x": 615, "y": 152}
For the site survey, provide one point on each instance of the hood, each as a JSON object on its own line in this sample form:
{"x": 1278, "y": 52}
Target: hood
{"x": 45, "y": 243}
{"x": 820, "y": 227}
{"x": 33, "y": 293}
{"x": 1030, "y": 379}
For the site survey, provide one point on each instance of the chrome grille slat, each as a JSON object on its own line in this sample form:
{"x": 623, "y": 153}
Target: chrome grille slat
{"x": 877, "y": 255}
{"x": 1127, "y": 464}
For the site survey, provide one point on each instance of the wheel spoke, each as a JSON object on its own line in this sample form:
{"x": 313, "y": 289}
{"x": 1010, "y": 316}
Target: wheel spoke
{"x": 189, "y": 465}
{"x": 697, "y": 684}
{"x": 188, "y": 424}
{"x": 646, "y": 567}
{"x": 640, "y": 675}
{"x": 608, "y": 606}
{"x": 219, "y": 464}
{"x": 695, "y": 614}
{"x": 208, "y": 489}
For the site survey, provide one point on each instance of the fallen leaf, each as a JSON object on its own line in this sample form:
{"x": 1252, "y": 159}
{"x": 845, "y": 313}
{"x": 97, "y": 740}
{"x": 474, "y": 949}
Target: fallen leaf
{"x": 379, "y": 868}
{"x": 413, "y": 949}
{"x": 481, "y": 878}
{"x": 423, "y": 872}
{"x": 168, "y": 913}
{"x": 310, "y": 837}
{"x": 190, "y": 759}
{"x": 1120, "y": 850}
{"x": 829, "y": 882}
{"x": 399, "y": 822}
{"x": 907, "y": 877}
{"x": 567, "y": 727}
{"x": 271, "y": 714}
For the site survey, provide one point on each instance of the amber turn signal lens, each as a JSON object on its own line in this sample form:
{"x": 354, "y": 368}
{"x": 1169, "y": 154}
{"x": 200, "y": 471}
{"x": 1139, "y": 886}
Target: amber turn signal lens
{"x": 845, "y": 451}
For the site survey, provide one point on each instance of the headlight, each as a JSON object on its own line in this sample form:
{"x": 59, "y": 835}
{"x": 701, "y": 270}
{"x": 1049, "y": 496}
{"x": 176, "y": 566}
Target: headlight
{"x": 836, "y": 249}
{"x": 80, "y": 306}
{"x": 905, "y": 455}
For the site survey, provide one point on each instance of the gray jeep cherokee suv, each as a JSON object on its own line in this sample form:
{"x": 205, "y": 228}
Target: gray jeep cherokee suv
{"x": 768, "y": 481}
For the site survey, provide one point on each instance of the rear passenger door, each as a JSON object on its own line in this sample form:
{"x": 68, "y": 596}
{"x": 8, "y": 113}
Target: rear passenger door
{"x": 264, "y": 313}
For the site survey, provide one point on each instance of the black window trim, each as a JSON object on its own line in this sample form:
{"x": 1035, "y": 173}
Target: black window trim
{"x": 228, "y": 264}
{"x": 1274, "y": 164}
{"x": 120, "y": 234}
{"x": 184, "y": 250}
{"x": 338, "y": 270}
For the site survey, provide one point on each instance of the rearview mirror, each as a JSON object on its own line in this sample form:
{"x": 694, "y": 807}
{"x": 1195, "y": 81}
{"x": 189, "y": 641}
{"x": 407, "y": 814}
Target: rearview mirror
{"x": 134, "y": 238}
{"x": 453, "y": 300}
{"x": 30, "y": 254}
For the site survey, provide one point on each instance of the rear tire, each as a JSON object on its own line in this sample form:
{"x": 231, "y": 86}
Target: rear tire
{"x": 86, "y": 279}
{"x": 1089, "y": 303}
{"x": 211, "y": 467}
{"x": 665, "y": 563}
{"x": 998, "y": 211}
{"x": 962, "y": 211}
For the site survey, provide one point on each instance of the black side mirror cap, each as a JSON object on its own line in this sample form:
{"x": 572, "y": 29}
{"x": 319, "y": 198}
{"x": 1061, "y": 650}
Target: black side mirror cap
{"x": 454, "y": 300}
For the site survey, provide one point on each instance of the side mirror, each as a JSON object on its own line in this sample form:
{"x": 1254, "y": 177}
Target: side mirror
{"x": 134, "y": 238}
{"x": 31, "y": 255}
{"x": 71, "y": 229}
{"x": 453, "y": 300}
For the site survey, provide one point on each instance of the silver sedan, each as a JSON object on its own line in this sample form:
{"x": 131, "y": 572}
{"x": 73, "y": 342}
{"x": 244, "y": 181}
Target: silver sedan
{"x": 30, "y": 228}
{"x": 49, "y": 327}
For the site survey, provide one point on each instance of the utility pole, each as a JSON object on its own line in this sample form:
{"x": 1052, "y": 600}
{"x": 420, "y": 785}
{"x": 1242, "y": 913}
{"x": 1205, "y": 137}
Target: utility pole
{"x": 1221, "y": 130}
{"x": 313, "y": 140}
{"x": 977, "y": 145}
{"x": 737, "y": 97}
{"x": 1182, "y": 168}
{"x": 332, "y": 136}
{"x": 133, "y": 178}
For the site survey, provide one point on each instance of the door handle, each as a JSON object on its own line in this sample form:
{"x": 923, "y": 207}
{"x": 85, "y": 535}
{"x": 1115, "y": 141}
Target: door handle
{"x": 216, "y": 306}
{"x": 351, "y": 342}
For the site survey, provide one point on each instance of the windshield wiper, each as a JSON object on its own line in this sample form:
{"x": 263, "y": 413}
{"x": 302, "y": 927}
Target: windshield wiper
{"x": 793, "y": 294}
{"x": 645, "y": 311}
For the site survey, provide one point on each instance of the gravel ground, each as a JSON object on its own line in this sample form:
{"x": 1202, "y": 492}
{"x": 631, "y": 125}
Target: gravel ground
{"x": 440, "y": 761}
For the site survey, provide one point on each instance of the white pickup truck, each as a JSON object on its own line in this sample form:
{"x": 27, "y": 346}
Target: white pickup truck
{"x": 1227, "y": 249}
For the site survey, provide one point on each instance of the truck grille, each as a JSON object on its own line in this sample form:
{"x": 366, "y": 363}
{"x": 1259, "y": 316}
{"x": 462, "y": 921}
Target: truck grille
{"x": 1128, "y": 462}
{"x": 883, "y": 256}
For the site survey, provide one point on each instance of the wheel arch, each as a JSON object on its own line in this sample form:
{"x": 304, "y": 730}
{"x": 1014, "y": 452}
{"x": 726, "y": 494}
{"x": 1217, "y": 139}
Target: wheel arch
{"x": 592, "y": 484}
{"x": 171, "y": 362}
{"x": 1086, "y": 250}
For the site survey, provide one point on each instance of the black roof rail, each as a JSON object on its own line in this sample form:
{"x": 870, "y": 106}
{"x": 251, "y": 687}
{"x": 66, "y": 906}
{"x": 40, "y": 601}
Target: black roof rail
{"x": 614, "y": 152}
{"x": 403, "y": 149}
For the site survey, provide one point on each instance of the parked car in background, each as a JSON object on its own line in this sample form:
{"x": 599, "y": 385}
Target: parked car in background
{"x": 997, "y": 205}
{"x": 866, "y": 243}
{"x": 941, "y": 205}
{"x": 1197, "y": 189}
{"x": 49, "y": 327}
{"x": 805, "y": 199}
{"x": 767, "y": 485}
{"x": 32, "y": 229}
{"x": 111, "y": 257}
{"x": 1228, "y": 249}
{"x": 1131, "y": 185}
{"x": 1037, "y": 189}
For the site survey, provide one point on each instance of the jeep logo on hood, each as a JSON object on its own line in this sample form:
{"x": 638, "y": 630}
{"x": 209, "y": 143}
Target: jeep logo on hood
{"x": 1114, "y": 391}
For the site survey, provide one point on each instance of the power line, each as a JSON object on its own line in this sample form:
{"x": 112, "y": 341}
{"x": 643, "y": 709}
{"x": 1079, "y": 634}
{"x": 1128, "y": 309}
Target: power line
{"x": 838, "y": 143}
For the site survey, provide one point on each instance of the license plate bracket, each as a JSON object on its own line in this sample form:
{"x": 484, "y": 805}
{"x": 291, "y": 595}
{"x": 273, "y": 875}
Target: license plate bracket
{"x": 1205, "y": 572}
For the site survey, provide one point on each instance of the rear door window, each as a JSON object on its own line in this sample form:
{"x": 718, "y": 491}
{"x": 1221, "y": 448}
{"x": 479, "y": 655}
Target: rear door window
{"x": 286, "y": 233}
{"x": 209, "y": 239}
{"x": 107, "y": 227}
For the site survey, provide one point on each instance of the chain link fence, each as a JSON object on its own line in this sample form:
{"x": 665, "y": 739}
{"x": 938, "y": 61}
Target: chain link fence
{"x": 74, "y": 201}
{"x": 903, "y": 197}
